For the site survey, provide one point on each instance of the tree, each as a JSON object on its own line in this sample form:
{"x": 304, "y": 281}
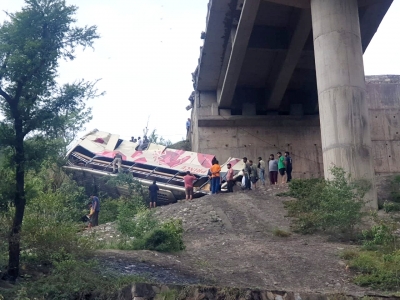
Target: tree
{"x": 156, "y": 139}
{"x": 37, "y": 111}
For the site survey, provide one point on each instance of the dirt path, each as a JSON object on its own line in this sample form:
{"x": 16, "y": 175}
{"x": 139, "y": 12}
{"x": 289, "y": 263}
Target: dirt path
{"x": 229, "y": 241}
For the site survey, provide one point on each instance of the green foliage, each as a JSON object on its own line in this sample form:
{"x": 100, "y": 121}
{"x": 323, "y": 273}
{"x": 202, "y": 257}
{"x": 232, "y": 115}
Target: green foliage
{"x": 395, "y": 189}
{"x": 109, "y": 210}
{"x": 74, "y": 279}
{"x": 333, "y": 205}
{"x": 166, "y": 238}
{"x": 166, "y": 295}
{"x": 391, "y": 206}
{"x": 378, "y": 270}
{"x": 349, "y": 254}
{"x": 39, "y": 117}
{"x": 380, "y": 235}
{"x": 156, "y": 139}
{"x": 281, "y": 233}
{"x": 50, "y": 226}
{"x": 143, "y": 231}
{"x": 378, "y": 264}
{"x": 134, "y": 187}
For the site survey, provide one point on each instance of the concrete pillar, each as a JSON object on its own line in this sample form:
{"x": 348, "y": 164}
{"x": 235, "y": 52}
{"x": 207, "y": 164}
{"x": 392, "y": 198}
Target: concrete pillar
{"x": 345, "y": 131}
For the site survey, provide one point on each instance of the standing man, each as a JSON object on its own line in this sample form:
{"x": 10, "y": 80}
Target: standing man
{"x": 139, "y": 144}
{"x": 288, "y": 161}
{"x": 282, "y": 167}
{"x": 253, "y": 174}
{"x": 188, "y": 123}
{"x": 273, "y": 170}
{"x": 189, "y": 179}
{"x": 229, "y": 178}
{"x": 261, "y": 166}
{"x": 153, "y": 189}
{"x": 117, "y": 161}
{"x": 215, "y": 177}
{"x": 94, "y": 212}
{"x": 246, "y": 173}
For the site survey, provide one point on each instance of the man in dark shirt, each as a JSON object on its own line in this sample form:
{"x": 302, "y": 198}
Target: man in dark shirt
{"x": 288, "y": 163}
{"x": 247, "y": 173}
{"x": 153, "y": 188}
{"x": 94, "y": 216}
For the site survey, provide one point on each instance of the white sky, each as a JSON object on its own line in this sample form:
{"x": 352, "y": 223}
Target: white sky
{"x": 147, "y": 52}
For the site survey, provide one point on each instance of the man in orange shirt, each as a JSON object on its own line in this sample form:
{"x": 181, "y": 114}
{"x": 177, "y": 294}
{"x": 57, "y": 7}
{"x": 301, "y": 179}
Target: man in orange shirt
{"x": 215, "y": 177}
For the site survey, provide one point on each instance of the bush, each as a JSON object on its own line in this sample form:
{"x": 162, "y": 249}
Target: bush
{"x": 49, "y": 229}
{"x": 333, "y": 205}
{"x": 391, "y": 206}
{"x": 395, "y": 189}
{"x": 135, "y": 221}
{"x": 165, "y": 238}
{"x": 378, "y": 270}
{"x": 74, "y": 279}
{"x": 381, "y": 235}
{"x": 281, "y": 233}
{"x": 142, "y": 230}
{"x": 109, "y": 210}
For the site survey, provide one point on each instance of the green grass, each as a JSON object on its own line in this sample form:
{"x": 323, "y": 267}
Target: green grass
{"x": 281, "y": 233}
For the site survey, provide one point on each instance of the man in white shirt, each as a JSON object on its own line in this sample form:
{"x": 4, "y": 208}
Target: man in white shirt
{"x": 261, "y": 167}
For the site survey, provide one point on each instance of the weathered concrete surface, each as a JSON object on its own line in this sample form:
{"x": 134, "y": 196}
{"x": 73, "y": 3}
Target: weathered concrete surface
{"x": 212, "y": 133}
{"x": 383, "y": 93}
{"x": 343, "y": 109}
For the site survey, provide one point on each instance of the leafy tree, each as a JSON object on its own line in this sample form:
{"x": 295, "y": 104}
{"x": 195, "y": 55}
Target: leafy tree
{"x": 38, "y": 114}
{"x": 156, "y": 139}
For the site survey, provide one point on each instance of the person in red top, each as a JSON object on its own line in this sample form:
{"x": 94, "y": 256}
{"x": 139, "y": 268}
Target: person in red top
{"x": 189, "y": 179}
{"x": 229, "y": 178}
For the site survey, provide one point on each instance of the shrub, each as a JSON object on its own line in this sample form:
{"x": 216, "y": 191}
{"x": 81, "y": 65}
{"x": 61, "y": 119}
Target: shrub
{"x": 49, "y": 228}
{"x": 74, "y": 279}
{"x": 378, "y": 270}
{"x": 391, "y": 206}
{"x": 349, "y": 254}
{"x": 166, "y": 238}
{"x": 281, "y": 233}
{"x": 135, "y": 221}
{"x": 395, "y": 189}
{"x": 333, "y": 205}
{"x": 380, "y": 235}
{"x": 109, "y": 210}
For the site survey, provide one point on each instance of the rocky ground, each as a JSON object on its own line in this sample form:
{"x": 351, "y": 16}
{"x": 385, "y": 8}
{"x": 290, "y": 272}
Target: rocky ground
{"x": 230, "y": 241}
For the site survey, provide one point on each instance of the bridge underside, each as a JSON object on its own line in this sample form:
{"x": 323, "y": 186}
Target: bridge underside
{"x": 278, "y": 75}
{"x": 258, "y": 57}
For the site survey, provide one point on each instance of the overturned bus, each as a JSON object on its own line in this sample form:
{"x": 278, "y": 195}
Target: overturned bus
{"x": 91, "y": 158}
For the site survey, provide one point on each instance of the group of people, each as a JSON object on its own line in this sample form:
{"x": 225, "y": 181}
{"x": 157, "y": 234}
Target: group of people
{"x": 252, "y": 172}
{"x": 282, "y": 165}
{"x": 141, "y": 143}
{"x": 188, "y": 180}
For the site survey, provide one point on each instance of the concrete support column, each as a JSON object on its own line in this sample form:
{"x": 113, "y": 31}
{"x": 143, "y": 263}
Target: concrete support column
{"x": 345, "y": 131}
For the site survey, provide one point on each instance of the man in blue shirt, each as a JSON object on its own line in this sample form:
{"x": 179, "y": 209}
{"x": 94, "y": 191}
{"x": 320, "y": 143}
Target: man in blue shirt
{"x": 188, "y": 123}
{"x": 94, "y": 217}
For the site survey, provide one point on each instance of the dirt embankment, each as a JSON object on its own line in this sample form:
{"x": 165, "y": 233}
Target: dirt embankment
{"x": 230, "y": 242}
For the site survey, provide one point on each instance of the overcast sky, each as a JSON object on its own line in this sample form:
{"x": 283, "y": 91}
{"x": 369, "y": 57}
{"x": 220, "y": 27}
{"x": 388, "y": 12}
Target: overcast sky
{"x": 147, "y": 52}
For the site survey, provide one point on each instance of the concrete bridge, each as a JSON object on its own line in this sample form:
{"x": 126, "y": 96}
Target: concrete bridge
{"x": 288, "y": 75}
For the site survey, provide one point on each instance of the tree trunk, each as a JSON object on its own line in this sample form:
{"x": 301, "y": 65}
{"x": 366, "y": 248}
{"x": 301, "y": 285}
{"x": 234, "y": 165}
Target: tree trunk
{"x": 19, "y": 203}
